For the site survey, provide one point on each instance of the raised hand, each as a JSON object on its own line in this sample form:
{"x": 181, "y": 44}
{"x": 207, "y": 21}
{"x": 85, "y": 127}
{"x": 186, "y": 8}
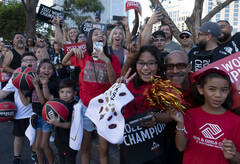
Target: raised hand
{"x": 125, "y": 79}
{"x": 177, "y": 116}
{"x": 133, "y": 49}
{"x": 35, "y": 80}
{"x": 156, "y": 17}
{"x": 125, "y": 21}
{"x": 100, "y": 55}
{"x": 77, "y": 52}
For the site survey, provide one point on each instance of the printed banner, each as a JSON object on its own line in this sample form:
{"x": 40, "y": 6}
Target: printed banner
{"x": 231, "y": 65}
{"x": 81, "y": 45}
{"x": 134, "y": 5}
{"x": 46, "y": 14}
{"x": 87, "y": 26}
{"x": 141, "y": 144}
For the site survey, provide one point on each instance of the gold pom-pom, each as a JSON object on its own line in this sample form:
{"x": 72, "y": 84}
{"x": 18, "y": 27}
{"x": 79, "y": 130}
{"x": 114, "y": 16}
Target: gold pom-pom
{"x": 164, "y": 95}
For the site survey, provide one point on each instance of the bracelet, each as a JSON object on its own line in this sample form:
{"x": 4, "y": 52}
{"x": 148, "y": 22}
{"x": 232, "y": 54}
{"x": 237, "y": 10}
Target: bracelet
{"x": 180, "y": 129}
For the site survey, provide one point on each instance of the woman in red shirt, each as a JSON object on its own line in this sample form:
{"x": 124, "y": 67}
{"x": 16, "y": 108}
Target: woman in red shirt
{"x": 95, "y": 77}
{"x": 148, "y": 63}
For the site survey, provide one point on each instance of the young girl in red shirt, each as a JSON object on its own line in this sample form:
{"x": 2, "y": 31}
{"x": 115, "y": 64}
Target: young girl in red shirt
{"x": 210, "y": 133}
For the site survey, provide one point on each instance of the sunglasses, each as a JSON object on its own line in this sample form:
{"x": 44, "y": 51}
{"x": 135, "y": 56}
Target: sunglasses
{"x": 178, "y": 66}
{"x": 184, "y": 36}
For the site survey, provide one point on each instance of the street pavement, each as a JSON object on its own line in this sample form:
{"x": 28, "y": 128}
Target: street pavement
{"x": 6, "y": 148}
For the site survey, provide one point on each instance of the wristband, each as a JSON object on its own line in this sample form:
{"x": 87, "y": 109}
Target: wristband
{"x": 180, "y": 129}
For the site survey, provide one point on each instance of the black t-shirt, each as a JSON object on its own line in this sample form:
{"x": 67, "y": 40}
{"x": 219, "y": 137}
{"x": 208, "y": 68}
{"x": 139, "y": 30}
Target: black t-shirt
{"x": 16, "y": 61}
{"x": 228, "y": 48}
{"x": 200, "y": 58}
{"x": 56, "y": 59}
{"x": 36, "y": 105}
{"x": 62, "y": 135}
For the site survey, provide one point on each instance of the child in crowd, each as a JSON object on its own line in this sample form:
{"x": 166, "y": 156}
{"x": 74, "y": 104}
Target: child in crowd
{"x": 24, "y": 107}
{"x": 62, "y": 131}
{"x": 209, "y": 133}
{"x": 41, "y": 53}
{"x": 48, "y": 91}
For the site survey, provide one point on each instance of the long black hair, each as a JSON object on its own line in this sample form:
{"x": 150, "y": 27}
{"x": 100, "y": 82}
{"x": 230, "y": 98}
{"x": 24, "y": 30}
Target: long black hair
{"x": 160, "y": 62}
{"x": 89, "y": 44}
{"x": 228, "y": 103}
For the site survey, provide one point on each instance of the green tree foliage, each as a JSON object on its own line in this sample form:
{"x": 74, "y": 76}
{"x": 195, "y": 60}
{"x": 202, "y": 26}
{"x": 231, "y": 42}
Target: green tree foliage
{"x": 71, "y": 9}
{"x": 12, "y": 19}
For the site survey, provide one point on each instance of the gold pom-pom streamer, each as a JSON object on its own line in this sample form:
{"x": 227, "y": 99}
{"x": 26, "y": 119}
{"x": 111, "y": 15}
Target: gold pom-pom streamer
{"x": 164, "y": 95}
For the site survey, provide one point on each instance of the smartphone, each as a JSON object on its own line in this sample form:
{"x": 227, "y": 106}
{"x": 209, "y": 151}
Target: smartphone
{"x": 61, "y": 15}
{"x": 99, "y": 46}
{"x": 117, "y": 18}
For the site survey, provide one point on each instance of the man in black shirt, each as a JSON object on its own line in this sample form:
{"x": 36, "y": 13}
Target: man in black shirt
{"x": 228, "y": 44}
{"x": 202, "y": 55}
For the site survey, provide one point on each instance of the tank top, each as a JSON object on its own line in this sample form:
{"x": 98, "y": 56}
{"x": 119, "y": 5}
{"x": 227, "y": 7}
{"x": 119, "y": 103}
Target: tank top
{"x": 119, "y": 53}
{"x": 16, "y": 61}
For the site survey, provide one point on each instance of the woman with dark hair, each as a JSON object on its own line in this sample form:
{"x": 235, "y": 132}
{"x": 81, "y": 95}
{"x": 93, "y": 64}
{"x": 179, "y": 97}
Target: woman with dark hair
{"x": 147, "y": 64}
{"x": 46, "y": 88}
{"x": 99, "y": 70}
{"x": 30, "y": 43}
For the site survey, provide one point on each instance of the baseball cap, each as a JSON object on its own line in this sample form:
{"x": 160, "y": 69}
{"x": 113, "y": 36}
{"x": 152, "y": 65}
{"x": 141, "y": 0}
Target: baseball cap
{"x": 208, "y": 71}
{"x": 186, "y": 32}
{"x": 159, "y": 33}
{"x": 211, "y": 28}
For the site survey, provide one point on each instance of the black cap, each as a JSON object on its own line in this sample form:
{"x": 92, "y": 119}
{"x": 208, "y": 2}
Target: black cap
{"x": 211, "y": 28}
{"x": 159, "y": 33}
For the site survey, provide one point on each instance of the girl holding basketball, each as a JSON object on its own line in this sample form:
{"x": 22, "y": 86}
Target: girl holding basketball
{"x": 48, "y": 85}
{"x": 209, "y": 133}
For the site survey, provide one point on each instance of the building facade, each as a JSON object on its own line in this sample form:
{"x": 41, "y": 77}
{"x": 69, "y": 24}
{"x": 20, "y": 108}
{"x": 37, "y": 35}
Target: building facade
{"x": 112, "y": 7}
{"x": 230, "y": 13}
{"x": 181, "y": 9}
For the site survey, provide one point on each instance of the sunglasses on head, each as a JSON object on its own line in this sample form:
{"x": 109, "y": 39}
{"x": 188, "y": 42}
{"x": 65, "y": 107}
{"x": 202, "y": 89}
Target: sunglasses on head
{"x": 178, "y": 66}
{"x": 184, "y": 36}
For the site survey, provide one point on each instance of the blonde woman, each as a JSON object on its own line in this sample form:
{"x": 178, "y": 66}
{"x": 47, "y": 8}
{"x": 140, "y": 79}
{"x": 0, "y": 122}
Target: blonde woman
{"x": 116, "y": 41}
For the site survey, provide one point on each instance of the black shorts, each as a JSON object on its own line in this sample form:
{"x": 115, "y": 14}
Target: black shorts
{"x": 20, "y": 126}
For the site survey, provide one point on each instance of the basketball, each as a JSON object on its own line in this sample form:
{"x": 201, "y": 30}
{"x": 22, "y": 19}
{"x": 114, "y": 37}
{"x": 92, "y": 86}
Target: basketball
{"x": 55, "y": 109}
{"x": 7, "y": 110}
{"x": 22, "y": 78}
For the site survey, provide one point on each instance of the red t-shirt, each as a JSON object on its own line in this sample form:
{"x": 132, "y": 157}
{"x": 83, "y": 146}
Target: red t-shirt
{"x": 205, "y": 133}
{"x": 188, "y": 94}
{"x": 93, "y": 78}
{"x": 139, "y": 104}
